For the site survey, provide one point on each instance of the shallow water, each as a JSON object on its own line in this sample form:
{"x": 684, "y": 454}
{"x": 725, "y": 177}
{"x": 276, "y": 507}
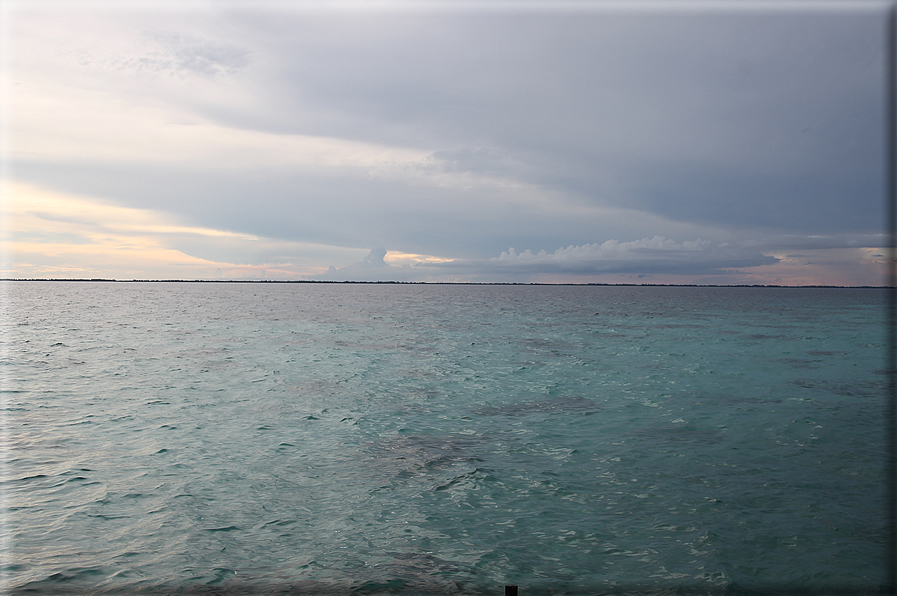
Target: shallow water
{"x": 184, "y": 437}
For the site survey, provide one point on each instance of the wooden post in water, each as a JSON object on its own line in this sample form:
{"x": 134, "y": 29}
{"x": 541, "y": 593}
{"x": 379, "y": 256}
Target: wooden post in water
{"x": 510, "y": 590}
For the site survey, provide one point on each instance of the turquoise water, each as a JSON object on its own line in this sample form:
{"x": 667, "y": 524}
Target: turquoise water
{"x": 185, "y": 438}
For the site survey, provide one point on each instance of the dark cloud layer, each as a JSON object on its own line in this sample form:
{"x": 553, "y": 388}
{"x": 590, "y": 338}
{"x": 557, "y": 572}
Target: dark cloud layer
{"x": 691, "y": 116}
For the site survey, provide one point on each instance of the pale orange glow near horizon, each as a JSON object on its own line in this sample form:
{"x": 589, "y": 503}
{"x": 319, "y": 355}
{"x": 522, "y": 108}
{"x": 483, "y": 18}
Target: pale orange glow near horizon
{"x": 57, "y": 235}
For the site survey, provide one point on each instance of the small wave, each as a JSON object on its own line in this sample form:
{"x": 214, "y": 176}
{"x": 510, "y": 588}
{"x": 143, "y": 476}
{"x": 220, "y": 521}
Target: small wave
{"x": 280, "y": 522}
{"x": 50, "y": 584}
{"x": 27, "y": 478}
{"x": 475, "y": 476}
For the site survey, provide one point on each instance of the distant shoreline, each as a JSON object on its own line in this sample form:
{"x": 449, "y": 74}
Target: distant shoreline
{"x": 434, "y": 283}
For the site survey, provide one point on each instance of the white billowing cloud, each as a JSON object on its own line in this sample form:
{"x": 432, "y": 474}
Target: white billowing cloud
{"x": 370, "y": 268}
{"x": 644, "y": 256}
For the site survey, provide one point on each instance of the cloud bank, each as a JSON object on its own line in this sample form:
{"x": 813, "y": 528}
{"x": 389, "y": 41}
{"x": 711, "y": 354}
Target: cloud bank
{"x": 648, "y": 256}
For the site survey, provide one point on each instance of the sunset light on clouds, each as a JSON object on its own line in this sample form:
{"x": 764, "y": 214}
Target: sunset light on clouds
{"x": 67, "y": 236}
{"x": 420, "y": 141}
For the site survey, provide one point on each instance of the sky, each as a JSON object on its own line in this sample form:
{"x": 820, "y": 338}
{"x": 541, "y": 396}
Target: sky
{"x": 714, "y": 142}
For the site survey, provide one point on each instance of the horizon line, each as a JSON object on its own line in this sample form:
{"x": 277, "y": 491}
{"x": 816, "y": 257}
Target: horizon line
{"x": 455, "y": 283}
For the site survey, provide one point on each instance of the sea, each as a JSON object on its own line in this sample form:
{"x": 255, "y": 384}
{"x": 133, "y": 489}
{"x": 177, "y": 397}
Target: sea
{"x": 339, "y": 438}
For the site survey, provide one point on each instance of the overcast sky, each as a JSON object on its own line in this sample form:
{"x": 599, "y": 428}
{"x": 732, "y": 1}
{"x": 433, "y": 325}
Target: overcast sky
{"x": 628, "y": 142}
